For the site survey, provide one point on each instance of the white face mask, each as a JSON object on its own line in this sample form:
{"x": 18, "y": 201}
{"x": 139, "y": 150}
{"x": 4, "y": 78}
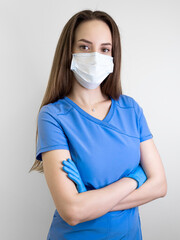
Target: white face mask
{"x": 90, "y": 69}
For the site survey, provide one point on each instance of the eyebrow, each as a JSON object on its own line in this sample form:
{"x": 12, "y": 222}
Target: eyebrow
{"x": 84, "y": 40}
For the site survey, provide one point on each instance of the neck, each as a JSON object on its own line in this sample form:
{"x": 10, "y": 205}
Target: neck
{"x": 86, "y": 97}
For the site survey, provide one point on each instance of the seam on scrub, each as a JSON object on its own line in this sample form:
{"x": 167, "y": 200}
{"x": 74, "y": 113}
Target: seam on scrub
{"x": 57, "y": 112}
{"x": 103, "y": 125}
{"x": 62, "y": 145}
{"x": 138, "y": 127}
{"x": 66, "y": 112}
{"x": 49, "y": 113}
{"x": 120, "y": 132}
{"x": 84, "y": 113}
{"x": 142, "y": 112}
{"x": 108, "y": 226}
{"x": 41, "y": 150}
{"x": 128, "y": 225}
{"x": 142, "y": 139}
{"x": 140, "y": 230}
{"x": 146, "y": 135}
{"x": 112, "y": 111}
{"x": 122, "y": 107}
{"x": 61, "y": 124}
{"x": 58, "y": 125}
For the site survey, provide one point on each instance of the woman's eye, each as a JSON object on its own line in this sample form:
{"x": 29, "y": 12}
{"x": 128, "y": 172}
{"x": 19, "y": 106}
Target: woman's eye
{"x": 105, "y": 50}
{"x": 83, "y": 47}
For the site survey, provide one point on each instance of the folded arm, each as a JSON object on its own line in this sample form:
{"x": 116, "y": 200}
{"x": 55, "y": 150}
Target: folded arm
{"x": 76, "y": 207}
{"x": 156, "y": 184}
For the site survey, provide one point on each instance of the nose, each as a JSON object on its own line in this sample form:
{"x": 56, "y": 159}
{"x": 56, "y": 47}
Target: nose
{"x": 95, "y": 49}
{"x": 94, "y": 59}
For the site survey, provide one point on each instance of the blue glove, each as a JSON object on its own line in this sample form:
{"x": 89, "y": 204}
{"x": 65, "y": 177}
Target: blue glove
{"x": 139, "y": 175}
{"x": 73, "y": 173}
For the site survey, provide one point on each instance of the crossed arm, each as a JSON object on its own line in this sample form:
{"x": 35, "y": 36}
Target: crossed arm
{"x": 155, "y": 186}
{"x": 75, "y": 207}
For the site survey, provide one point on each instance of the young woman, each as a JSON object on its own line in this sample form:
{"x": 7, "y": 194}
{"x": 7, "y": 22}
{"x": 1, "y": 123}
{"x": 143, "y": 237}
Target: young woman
{"x": 93, "y": 142}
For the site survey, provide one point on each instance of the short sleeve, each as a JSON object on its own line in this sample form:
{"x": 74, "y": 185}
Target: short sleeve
{"x": 50, "y": 133}
{"x": 143, "y": 128}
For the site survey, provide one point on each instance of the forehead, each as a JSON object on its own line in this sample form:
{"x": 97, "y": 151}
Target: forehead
{"x": 93, "y": 30}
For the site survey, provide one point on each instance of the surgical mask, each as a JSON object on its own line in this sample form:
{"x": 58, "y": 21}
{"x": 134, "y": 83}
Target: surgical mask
{"x": 90, "y": 69}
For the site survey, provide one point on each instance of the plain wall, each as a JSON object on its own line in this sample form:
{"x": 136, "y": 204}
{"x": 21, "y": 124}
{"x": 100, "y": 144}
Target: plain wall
{"x": 150, "y": 37}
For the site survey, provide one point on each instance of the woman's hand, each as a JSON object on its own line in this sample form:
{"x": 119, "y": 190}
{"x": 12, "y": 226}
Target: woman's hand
{"x": 139, "y": 175}
{"x": 73, "y": 173}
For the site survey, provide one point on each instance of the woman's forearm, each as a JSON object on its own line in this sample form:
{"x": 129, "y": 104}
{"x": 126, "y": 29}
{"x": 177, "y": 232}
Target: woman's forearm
{"x": 95, "y": 203}
{"x": 149, "y": 191}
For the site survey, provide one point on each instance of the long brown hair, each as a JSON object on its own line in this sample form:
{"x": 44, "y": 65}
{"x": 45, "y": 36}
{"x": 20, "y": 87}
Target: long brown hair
{"x": 60, "y": 79}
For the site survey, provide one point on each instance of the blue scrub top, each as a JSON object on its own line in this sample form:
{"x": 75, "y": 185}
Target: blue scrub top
{"x": 104, "y": 151}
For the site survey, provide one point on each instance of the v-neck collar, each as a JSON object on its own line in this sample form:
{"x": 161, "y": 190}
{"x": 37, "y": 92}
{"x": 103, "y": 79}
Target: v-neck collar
{"x": 107, "y": 117}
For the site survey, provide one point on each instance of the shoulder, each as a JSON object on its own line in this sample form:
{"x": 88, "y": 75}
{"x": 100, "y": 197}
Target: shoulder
{"x": 126, "y": 101}
{"x": 59, "y": 107}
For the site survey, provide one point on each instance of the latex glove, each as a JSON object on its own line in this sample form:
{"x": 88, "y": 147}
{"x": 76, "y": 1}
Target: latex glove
{"x": 139, "y": 175}
{"x": 73, "y": 173}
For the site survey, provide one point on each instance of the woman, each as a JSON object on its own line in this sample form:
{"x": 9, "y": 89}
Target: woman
{"x": 98, "y": 155}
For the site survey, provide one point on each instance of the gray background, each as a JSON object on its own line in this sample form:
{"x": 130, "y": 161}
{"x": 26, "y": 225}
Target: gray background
{"x": 150, "y": 36}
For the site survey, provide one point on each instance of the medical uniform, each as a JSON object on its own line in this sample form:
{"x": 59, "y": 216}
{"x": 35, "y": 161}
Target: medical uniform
{"x": 104, "y": 151}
